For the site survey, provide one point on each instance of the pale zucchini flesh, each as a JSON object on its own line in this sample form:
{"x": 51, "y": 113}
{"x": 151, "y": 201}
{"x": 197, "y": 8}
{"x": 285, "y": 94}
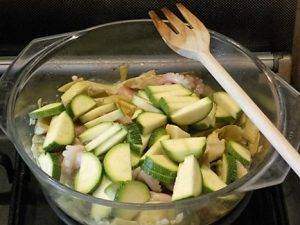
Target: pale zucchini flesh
{"x": 61, "y": 132}
{"x": 136, "y": 113}
{"x": 97, "y": 112}
{"x": 149, "y": 121}
{"x": 117, "y": 163}
{"x": 222, "y": 116}
{"x": 89, "y": 174}
{"x": 178, "y": 149}
{"x": 238, "y": 151}
{"x": 156, "y": 135}
{"x": 176, "y": 132}
{"x": 131, "y": 192}
{"x": 134, "y": 159}
{"x": 101, "y": 138}
{"x": 143, "y": 95}
{"x": 80, "y": 105}
{"x": 211, "y": 181}
{"x": 73, "y": 91}
{"x": 193, "y": 112}
{"x": 98, "y": 212}
{"x": 93, "y": 132}
{"x": 206, "y": 123}
{"x": 109, "y": 143}
{"x": 144, "y": 104}
{"x": 226, "y": 102}
{"x": 180, "y": 99}
{"x": 51, "y": 109}
{"x": 161, "y": 164}
{"x": 241, "y": 170}
{"x": 188, "y": 182}
{"x": 171, "y": 107}
{"x": 50, "y": 164}
{"x": 109, "y": 117}
{"x": 156, "y": 148}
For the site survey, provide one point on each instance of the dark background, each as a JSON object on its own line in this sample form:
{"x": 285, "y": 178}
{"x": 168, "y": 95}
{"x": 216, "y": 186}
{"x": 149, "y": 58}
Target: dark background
{"x": 261, "y": 25}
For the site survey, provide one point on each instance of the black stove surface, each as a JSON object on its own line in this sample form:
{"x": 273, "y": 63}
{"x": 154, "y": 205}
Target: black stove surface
{"x": 28, "y": 205}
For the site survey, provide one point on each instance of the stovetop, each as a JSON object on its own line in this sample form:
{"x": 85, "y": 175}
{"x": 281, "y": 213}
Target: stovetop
{"x": 23, "y": 203}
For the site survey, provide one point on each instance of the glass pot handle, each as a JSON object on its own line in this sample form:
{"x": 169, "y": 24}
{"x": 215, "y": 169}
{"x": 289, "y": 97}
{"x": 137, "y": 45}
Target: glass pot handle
{"x": 35, "y": 49}
{"x": 278, "y": 168}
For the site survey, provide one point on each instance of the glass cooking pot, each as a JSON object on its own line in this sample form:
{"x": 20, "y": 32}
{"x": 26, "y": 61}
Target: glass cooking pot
{"x": 96, "y": 53}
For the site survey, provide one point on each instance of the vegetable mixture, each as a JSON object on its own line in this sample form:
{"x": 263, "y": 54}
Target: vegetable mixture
{"x": 167, "y": 136}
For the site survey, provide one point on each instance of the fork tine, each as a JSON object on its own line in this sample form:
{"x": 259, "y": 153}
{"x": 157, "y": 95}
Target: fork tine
{"x": 190, "y": 17}
{"x": 173, "y": 19}
{"x": 162, "y": 28}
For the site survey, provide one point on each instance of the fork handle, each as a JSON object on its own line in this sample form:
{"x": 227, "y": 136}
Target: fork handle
{"x": 266, "y": 127}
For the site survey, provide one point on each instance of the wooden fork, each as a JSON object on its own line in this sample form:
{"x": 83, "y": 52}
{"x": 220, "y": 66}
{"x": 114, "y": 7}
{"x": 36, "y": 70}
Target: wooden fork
{"x": 192, "y": 41}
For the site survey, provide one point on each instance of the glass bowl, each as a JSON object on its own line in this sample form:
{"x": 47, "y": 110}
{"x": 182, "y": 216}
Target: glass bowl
{"x": 96, "y": 53}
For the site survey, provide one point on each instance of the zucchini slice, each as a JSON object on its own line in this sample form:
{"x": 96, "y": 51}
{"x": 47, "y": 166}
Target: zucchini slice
{"x": 156, "y": 135}
{"x": 161, "y": 164}
{"x": 142, "y": 94}
{"x": 156, "y": 149}
{"x": 171, "y": 107}
{"x": 241, "y": 170}
{"x": 188, "y": 182}
{"x": 98, "y": 212}
{"x": 160, "y": 168}
{"x": 228, "y": 169}
{"x": 168, "y": 180}
{"x": 239, "y": 152}
{"x": 208, "y": 122}
{"x": 134, "y": 159}
{"x": 73, "y": 91}
{"x": 226, "y": 102}
{"x": 89, "y": 174}
{"x": 50, "y": 164}
{"x": 61, "y": 133}
{"x": 80, "y": 105}
{"x": 144, "y": 104}
{"x": 112, "y": 141}
{"x": 131, "y": 192}
{"x": 97, "y": 112}
{"x": 111, "y": 190}
{"x": 176, "y": 132}
{"x": 102, "y": 137}
{"x": 149, "y": 121}
{"x": 93, "y": 132}
{"x": 211, "y": 182}
{"x": 177, "y": 99}
{"x": 178, "y": 149}
{"x": 109, "y": 117}
{"x": 134, "y": 138}
{"x": 165, "y": 88}
{"x": 51, "y": 109}
{"x": 136, "y": 113}
{"x": 155, "y": 93}
{"x": 222, "y": 116}
{"x": 117, "y": 163}
{"x": 193, "y": 112}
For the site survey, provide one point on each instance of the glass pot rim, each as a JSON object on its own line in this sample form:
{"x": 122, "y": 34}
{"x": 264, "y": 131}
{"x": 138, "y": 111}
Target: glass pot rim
{"x": 230, "y": 189}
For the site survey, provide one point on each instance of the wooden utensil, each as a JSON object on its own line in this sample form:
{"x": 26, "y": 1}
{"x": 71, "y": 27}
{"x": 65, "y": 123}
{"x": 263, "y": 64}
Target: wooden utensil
{"x": 192, "y": 41}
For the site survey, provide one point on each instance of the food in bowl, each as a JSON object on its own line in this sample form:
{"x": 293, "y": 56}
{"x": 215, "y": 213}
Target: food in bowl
{"x": 152, "y": 138}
